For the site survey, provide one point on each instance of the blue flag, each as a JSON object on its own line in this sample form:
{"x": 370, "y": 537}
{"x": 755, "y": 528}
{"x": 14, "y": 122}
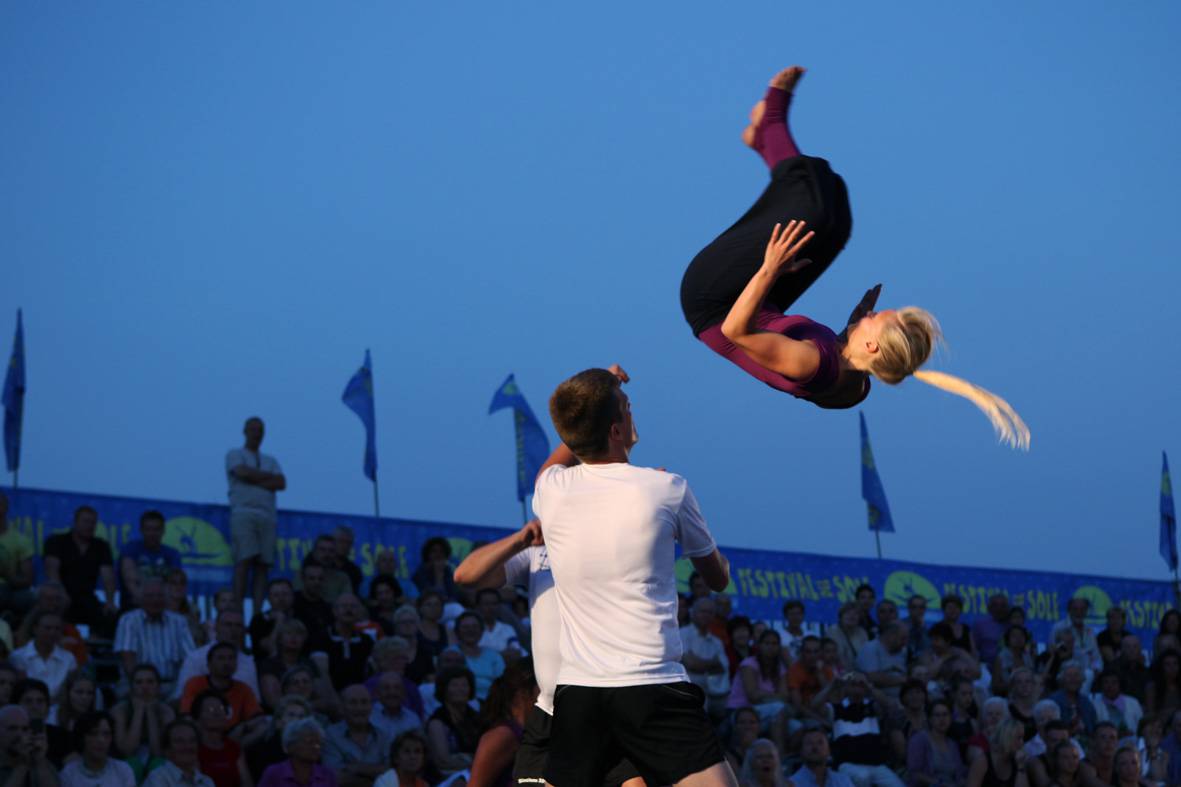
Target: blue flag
{"x": 871, "y": 487}
{"x": 14, "y": 398}
{"x": 1168, "y": 517}
{"x": 532, "y": 444}
{"x": 358, "y": 397}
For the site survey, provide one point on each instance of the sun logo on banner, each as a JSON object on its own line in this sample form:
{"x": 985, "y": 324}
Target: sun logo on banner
{"x": 198, "y": 542}
{"x": 1100, "y": 603}
{"x": 901, "y": 585}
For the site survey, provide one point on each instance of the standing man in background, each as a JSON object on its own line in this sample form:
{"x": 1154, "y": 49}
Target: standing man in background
{"x": 254, "y": 479}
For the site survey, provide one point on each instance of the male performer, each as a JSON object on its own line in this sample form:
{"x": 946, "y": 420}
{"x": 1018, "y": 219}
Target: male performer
{"x": 610, "y": 531}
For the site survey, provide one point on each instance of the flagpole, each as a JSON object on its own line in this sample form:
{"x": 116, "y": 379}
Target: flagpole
{"x": 877, "y": 537}
{"x": 376, "y": 502}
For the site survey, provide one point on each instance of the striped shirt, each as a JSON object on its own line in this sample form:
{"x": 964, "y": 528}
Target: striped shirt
{"x": 163, "y": 642}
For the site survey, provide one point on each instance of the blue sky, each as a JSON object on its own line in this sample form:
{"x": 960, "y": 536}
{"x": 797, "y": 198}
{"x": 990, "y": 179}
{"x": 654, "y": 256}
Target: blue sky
{"x": 211, "y": 210}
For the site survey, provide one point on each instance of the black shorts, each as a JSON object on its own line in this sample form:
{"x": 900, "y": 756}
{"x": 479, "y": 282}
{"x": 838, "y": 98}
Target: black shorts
{"x": 662, "y": 729}
{"x": 529, "y": 768}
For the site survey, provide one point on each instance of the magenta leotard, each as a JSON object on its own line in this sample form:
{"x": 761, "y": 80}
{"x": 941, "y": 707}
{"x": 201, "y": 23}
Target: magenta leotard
{"x": 794, "y": 327}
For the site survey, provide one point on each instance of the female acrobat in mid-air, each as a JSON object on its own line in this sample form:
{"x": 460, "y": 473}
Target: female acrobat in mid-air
{"x": 736, "y": 290}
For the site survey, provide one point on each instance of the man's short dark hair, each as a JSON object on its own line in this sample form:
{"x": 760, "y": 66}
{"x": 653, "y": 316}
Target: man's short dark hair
{"x": 1057, "y": 724}
{"x": 583, "y": 409}
{"x": 942, "y": 631}
{"x": 85, "y": 509}
{"x": 87, "y": 723}
{"x": 151, "y": 515}
{"x": 1102, "y": 725}
{"x": 279, "y": 581}
{"x": 174, "y": 725}
{"x": 809, "y": 638}
{"x": 310, "y": 562}
{"x": 485, "y": 591}
{"x": 865, "y": 586}
{"x": 1109, "y": 673}
{"x": 202, "y": 698}
{"x": 215, "y": 647}
{"x": 951, "y": 598}
{"x": 793, "y": 604}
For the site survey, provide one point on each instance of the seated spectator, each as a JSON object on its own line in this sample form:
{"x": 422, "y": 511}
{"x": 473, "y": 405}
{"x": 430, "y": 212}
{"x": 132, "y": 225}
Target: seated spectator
{"x": 180, "y": 768}
{"x": 303, "y": 740}
{"x": 385, "y": 564}
{"x": 932, "y": 757}
{"x": 383, "y": 601}
{"x": 1153, "y": 756}
{"x": 1109, "y": 639}
{"x": 961, "y": 635}
{"x": 1086, "y": 647}
{"x": 264, "y": 624}
{"x": 140, "y": 721}
{"x": 268, "y": 750}
{"x": 290, "y": 641}
{"x": 392, "y": 654}
{"x": 848, "y": 635}
{"x": 704, "y": 657}
{"x": 342, "y": 651}
{"x": 220, "y": 757}
{"x": 865, "y": 597}
{"x": 792, "y": 629}
{"x": 762, "y": 685}
{"x": 739, "y": 642}
{"x": 453, "y": 730}
{"x": 856, "y": 708}
{"x": 883, "y": 660}
{"x": 994, "y": 711}
{"x": 814, "y": 770}
{"x": 354, "y": 748}
{"x": 176, "y": 594}
{"x": 33, "y": 696}
{"x": 964, "y": 713}
{"x": 421, "y": 661}
{"x": 239, "y": 698}
{"x": 916, "y": 627}
{"x": 1023, "y": 694}
{"x": 230, "y": 628}
{"x": 1099, "y": 765}
{"x": 450, "y": 659}
{"x": 1046, "y": 715}
{"x": 1162, "y": 694}
{"x": 1013, "y": 653}
{"x": 887, "y": 613}
{"x": 342, "y": 540}
{"x": 1077, "y": 710}
{"x": 42, "y": 657}
{"x": 913, "y": 719}
{"x": 1004, "y": 762}
{"x": 807, "y": 676}
{"x": 1127, "y": 768}
{"x": 153, "y": 635}
{"x": 77, "y": 697}
{"x": 23, "y": 759}
{"x": 485, "y": 663}
{"x": 989, "y": 630}
{"x": 497, "y": 635}
{"x": 88, "y": 559}
{"x": 943, "y": 658}
{"x": 309, "y": 605}
{"x": 1169, "y": 631}
{"x": 16, "y": 567}
{"x": 335, "y": 581}
{"x": 407, "y": 761}
{"x": 1112, "y": 705}
{"x": 432, "y": 635}
{"x": 302, "y": 681}
{"x": 1049, "y": 663}
{"x": 147, "y": 556}
{"x": 1065, "y": 761}
{"x": 390, "y": 714}
{"x": 504, "y": 713}
{"x": 435, "y": 571}
{"x": 1038, "y": 766}
{"x": 1133, "y": 672}
{"x": 761, "y": 767}
{"x": 96, "y": 767}
{"x": 223, "y": 601}
{"x": 744, "y": 731}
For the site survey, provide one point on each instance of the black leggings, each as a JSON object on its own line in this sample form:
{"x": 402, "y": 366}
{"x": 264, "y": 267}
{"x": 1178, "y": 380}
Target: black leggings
{"x": 802, "y": 187}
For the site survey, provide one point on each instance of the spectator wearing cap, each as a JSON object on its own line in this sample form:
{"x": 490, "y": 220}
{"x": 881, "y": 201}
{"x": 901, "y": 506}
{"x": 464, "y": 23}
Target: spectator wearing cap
{"x": 147, "y": 556}
{"x": 435, "y": 571}
{"x": 1086, "y": 647}
{"x": 1112, "y": 705}
{"x": 354, "y": 748}
{"x": 79, "y": 560}
{"x": 240, "y": 698}
{"x": 988, "y": 630}
{"x": 16, "y": 565}
{"x": 153, "y": 635}
{"x": 181, "y": 768}
{"x": 42, "y": 657}
{"x": 230, "y": 627}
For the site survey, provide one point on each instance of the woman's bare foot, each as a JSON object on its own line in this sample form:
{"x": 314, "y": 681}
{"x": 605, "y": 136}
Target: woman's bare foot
{"x": 756, "y": 117}
{"x": 787, "y": 78}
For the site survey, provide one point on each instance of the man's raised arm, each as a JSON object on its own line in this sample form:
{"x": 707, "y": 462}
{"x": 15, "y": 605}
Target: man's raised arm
{"x": 484, "y": 567}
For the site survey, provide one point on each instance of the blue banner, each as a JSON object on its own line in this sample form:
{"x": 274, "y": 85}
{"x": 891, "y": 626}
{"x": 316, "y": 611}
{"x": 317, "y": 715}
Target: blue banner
{"x": 762, "y": 580}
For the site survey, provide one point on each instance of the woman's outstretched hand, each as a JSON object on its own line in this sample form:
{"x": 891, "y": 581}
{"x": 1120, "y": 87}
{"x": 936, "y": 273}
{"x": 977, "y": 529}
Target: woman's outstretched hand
{"x": 785, "y": 243}
{"x": 868, "y": 301}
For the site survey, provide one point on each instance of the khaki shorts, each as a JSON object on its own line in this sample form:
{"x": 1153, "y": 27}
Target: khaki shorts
{"x": 252, "y": 535}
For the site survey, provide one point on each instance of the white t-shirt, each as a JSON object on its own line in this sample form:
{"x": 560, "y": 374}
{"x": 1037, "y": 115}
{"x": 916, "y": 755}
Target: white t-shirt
{"x": 499, "y": 638}
{"x": 531, "y": 567}
{"x": 251, "y": 497}
{"x": 610, "y": 532}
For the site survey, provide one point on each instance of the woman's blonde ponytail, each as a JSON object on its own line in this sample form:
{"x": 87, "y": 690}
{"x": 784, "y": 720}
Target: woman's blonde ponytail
{"x": 1009, "y": 426}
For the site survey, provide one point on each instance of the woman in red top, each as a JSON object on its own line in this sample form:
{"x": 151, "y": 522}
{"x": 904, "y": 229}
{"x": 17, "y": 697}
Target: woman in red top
{"x": 736, "y": 290}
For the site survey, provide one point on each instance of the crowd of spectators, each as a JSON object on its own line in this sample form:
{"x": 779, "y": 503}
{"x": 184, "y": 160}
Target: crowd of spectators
{"x": 341, "y": 679}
